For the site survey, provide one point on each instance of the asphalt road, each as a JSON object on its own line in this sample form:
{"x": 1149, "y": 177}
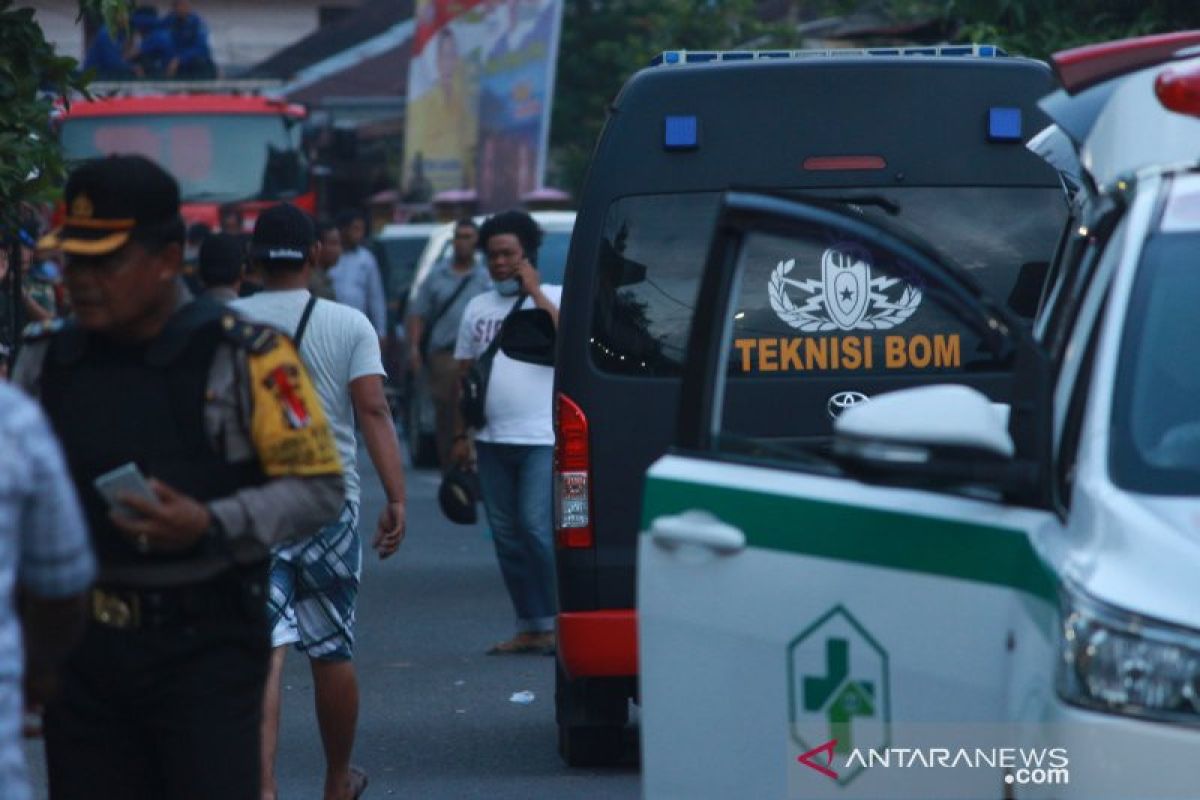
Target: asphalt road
{"x": 436, "y": 717}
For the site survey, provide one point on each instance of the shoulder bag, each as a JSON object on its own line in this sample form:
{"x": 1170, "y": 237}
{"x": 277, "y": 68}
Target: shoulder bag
{"x": 427, "y": 329}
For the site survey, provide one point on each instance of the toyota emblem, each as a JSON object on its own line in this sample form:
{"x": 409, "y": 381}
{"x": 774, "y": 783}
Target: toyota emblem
{"x": 843, "y": 400}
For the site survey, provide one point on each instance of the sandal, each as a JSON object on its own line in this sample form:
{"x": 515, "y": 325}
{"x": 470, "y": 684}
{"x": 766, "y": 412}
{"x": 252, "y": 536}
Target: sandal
{"x": 525, "y": 642}
{"x": 358, "y": 782}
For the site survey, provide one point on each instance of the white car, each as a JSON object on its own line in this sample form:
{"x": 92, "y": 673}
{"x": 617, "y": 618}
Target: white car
{"x": 398, "y": 249}
{"x": 953, "y": 600}
{"x": 552, "y": 265}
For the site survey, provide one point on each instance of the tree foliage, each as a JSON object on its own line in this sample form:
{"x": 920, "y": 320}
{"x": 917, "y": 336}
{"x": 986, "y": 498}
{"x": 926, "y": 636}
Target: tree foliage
{"x": 605, "y": 41}
{"x": 32, "y": 78}
{"x": 1038, "y": 28}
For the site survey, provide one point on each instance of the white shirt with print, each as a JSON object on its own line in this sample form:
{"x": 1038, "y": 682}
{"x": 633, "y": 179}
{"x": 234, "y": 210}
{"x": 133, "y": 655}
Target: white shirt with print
{"x": 520, "y": 396}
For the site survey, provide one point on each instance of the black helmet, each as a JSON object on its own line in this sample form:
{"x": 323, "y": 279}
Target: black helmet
{"x": 457, "y": 496}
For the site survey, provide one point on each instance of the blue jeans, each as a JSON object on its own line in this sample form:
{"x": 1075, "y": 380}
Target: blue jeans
{"x": 517, "y": 494}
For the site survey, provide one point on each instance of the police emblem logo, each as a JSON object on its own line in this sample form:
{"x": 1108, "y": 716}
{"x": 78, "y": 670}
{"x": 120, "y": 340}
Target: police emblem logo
{"x": 283, "y": 382}
{"x": 81, "y": 207}
{"x": 846, "y": 297}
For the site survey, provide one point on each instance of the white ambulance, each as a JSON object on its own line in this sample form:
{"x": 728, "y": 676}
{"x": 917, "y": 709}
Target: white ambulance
{"x": 954, "y": 598}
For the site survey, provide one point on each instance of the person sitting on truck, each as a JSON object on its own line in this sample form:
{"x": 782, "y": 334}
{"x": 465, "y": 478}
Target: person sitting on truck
{"x": 188, "y": 35}
{"x": 110, "y": 55}
{"x": 152, "y": 51}
{"x": 119, "y": 57}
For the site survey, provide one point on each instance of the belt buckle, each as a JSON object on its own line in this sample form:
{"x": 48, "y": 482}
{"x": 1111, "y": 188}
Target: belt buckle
{"x": 116, "y": 611}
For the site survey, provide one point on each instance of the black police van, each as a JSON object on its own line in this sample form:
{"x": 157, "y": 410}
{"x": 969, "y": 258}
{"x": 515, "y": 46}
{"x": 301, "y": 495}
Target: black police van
{"x": 926, "y": 140}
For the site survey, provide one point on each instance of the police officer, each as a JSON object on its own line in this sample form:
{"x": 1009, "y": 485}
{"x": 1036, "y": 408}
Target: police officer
{"x": 162, "y": 699}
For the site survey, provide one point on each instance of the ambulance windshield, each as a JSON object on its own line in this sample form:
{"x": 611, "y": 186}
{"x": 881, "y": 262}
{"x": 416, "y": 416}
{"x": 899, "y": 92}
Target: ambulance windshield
{"x": 1156, "y": 416}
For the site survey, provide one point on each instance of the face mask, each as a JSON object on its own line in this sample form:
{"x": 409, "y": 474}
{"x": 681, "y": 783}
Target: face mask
{"x": 508, "y": 287}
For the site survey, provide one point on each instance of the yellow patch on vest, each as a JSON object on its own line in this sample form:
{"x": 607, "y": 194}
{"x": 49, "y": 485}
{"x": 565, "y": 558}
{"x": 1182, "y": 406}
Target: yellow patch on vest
{"x": 288, "y": 425}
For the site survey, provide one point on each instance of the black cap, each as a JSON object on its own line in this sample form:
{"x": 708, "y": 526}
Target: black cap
{"x": 457, "y": 496}
{"x": 107, "y": 198}
{"x": 282, "y": 233}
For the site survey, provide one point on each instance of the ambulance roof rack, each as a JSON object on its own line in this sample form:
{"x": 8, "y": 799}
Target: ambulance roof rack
{"x": 675, "y": 57}
{"x": 232, "y": 86}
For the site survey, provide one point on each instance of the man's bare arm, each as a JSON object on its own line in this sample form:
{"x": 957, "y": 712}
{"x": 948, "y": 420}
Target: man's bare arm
{"x": 379, "y": 434}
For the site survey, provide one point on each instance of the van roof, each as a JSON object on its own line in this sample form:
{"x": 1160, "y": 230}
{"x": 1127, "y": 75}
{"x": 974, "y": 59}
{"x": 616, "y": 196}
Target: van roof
{"x": 756, "y": 122}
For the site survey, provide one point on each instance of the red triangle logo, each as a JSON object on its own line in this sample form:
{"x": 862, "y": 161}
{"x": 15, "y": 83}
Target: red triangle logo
{"x": 807, "y": 759}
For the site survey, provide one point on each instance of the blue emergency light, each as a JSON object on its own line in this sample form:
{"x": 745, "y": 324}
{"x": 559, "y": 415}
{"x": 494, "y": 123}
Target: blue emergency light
{"x": 1004, "y": 124}
{"x": 681, "y": 133}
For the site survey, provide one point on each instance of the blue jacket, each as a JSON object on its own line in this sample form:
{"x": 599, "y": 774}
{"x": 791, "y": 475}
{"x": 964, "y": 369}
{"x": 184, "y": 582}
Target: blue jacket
{"x": 106, "y": 56}
{"x": 188, "y": 37}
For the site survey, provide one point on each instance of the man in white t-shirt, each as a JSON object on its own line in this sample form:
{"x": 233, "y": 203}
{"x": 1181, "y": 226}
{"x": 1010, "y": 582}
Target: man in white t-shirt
{"x": 314, "y": 583}
{"x": 516, "y": 445}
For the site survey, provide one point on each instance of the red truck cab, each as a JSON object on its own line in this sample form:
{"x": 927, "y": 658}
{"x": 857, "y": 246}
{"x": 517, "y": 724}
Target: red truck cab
{"x": 222, "y": 148}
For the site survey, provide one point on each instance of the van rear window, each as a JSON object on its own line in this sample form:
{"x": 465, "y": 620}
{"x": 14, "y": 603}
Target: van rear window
{"x": 652, "y": 256}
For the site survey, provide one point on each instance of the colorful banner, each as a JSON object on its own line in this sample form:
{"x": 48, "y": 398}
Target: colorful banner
{"x": 480, "y": 87}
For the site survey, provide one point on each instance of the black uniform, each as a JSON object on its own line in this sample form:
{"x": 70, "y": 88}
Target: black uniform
{"x": 163, "y": 697}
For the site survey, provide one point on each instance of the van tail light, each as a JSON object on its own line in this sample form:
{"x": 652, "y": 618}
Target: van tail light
{"x": 572, "y": 476}
{"x": 1179, "y": 91}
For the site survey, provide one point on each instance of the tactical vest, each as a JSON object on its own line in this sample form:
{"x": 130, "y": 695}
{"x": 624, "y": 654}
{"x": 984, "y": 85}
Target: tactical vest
{"x": 112, "y": 403}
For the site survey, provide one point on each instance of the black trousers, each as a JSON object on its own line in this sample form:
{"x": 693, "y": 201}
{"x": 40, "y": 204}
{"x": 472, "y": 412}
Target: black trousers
{"x": 170, "y": 713}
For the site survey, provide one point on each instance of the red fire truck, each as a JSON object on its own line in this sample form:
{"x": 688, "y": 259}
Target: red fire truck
{"x": 245, "y": 149}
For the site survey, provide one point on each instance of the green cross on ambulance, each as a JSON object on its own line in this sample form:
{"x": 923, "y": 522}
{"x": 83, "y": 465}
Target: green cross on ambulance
{"x": 960, "y": 598}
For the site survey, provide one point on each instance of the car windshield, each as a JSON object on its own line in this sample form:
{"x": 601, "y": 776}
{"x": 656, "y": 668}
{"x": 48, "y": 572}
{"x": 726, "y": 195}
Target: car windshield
{"x": 216, "y": 158}
{"x": 1155, "y": 445}
{"x": 654, "y": 247}
{"x": 399, "y": 261}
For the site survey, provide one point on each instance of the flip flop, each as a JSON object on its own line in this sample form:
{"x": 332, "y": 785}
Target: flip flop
{"x": 358, "y": 782}
{"x": 524, "y": 643}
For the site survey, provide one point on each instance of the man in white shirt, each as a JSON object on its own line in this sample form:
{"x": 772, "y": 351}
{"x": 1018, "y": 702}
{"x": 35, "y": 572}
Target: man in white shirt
{"x": 314, "y": 583}
{"x": 355, "y": 276}
{"x": 516, "y": 445}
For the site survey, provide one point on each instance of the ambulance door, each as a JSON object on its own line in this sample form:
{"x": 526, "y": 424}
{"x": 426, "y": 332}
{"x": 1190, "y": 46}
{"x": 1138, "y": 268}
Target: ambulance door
{"x": 794, "y": 619}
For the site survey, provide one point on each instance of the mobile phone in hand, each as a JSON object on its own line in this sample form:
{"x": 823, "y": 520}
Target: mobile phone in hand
{"x": 125, "y": 479}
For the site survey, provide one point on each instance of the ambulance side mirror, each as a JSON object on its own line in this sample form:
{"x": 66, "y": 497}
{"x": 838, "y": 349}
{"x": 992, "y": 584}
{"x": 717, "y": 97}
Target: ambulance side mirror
{"x": 927, "y": 436}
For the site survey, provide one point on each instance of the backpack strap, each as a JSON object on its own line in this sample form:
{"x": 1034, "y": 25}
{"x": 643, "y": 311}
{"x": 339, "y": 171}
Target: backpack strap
{"x": 308, "y": 309}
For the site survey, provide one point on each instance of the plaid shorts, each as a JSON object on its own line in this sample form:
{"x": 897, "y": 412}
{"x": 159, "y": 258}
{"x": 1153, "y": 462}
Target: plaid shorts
{"x": 314, "y": 586}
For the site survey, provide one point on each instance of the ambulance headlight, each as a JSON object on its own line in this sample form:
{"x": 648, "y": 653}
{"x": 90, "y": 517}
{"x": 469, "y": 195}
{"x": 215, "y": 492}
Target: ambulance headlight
{"x": 1122, "y": 663}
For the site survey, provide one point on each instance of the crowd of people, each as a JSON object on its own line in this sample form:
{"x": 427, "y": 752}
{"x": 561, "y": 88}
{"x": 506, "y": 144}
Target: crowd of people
{"x": 165, "y": 560}
{"x": 173, "y": 45}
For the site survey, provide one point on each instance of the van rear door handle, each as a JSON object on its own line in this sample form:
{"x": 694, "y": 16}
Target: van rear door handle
{"x": 698, "y": 528}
